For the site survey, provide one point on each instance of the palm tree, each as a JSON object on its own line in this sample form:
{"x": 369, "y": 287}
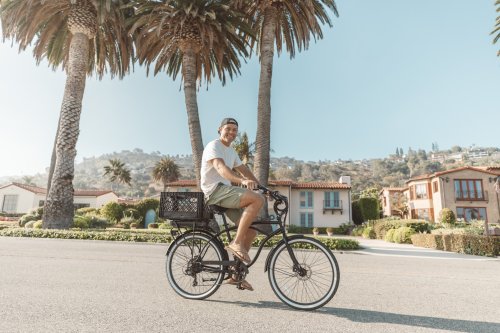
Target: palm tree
{"x": 244, "y": 148}
{"x": 166, "y": 171}
{"x": 497, "y": 25}
{"x": 117, "y": 172}
{"x": 278, "y": 22}
{"x": 83, "y": 37}
{"x": 199, "y": 39}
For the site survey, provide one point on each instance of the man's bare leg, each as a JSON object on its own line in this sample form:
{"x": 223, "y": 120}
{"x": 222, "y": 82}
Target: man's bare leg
{"x": 252, "y": 202}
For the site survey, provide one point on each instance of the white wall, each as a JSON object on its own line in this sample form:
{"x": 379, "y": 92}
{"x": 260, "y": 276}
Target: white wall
{"x": 25, "y": 199}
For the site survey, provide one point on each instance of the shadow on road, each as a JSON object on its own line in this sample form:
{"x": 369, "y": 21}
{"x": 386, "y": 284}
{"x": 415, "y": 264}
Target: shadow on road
{"x": 367, "y": 316}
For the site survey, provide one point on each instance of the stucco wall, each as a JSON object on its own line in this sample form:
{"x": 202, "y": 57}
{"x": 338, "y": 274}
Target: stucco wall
{"x": 25, "y": 199}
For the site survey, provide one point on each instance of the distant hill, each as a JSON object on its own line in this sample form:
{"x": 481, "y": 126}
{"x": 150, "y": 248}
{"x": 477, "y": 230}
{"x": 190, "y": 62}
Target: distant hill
{"x": 393, "y": 170}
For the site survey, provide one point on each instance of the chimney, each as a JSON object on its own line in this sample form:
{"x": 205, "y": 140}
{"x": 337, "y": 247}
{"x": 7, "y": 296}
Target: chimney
{"x": 345, "y": 180}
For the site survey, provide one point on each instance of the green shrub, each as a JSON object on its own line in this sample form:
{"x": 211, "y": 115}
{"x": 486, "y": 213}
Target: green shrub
{"x": 369, "y": 208}
{"x": 146, "y": 204}
{"x": 97, "y": 221}
{"x": 460, "y": 243}
{"x": 164, "y": 226}
{"x": 382, "y": 226}
{"x": 357, "y": 214}
{"x": 389, "y": 235}
{"x": 134, "y": 225}
{"x": 81, "y": 222}
{"x": 403, "y": 235}
{"x": 38, "y": 224}
{"x": 446, "y": 216}
{"x": 27, "y": 218}
{"x": 368, "y": 232}
{"x": 30, "y": 224}
{"x": 153, "y": 226}
{"x": 85, "y": 210}
{"x": 133, "y": 212}
{"x": 112, "y": 211}
{"x": 358, "y": 231}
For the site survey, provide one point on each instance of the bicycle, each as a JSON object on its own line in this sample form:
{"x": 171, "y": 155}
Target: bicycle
{"x": 302, "y": 271}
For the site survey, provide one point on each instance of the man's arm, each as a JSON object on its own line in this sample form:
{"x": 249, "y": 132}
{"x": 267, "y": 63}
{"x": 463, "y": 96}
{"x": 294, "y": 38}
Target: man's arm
{"x": 245, "y": 172}
{"x": 227, "y": 173}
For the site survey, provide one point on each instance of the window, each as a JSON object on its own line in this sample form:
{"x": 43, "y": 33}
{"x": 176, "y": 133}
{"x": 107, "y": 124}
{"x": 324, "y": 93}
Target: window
{"x": 306, "y": 220}
{"x": 421, "y": 191}
{"x": 469, "y": 189}
{"x": 472, "y": 213}
{"x": 435, "y": 187}
{"x": 332, "y": 200}
{"x": 422, "y": 214}
{"x": 9, "y": 203}
{"x": 306, "y": 199}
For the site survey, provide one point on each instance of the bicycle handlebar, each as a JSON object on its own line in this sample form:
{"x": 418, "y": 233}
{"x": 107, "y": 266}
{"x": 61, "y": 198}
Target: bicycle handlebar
{"x": 275, "y": 194}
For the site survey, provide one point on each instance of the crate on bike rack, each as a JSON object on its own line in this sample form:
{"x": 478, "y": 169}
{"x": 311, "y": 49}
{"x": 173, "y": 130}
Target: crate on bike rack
{"x": 185, "y": 207}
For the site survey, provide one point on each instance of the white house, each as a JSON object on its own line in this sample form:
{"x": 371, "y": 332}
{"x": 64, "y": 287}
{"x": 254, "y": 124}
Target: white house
{"x": 20, "y": 198}
{"x": 311, "y": 204}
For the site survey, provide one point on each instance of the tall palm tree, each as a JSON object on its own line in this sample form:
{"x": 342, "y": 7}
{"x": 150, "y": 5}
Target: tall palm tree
{"x": 117, "y": 172}
{"x": 496, "y": 30}
{"x": 291, "y": 23}
{"x": 166, "y": 171}
{"x": 83, "y": 37}
{"x": 244, "y": 148}
{"x": 199, "y": 39}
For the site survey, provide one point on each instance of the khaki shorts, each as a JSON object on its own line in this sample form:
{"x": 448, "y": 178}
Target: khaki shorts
{"x": 228, "y": 197}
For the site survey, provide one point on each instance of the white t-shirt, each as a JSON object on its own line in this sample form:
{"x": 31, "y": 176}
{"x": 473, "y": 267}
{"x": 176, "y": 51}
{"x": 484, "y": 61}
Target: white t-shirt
{"x": 210, "y": 178}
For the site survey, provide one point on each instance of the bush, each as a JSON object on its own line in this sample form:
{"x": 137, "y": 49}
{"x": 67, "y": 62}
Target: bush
{"x": 146, "y": 204}
{"x": 27, "y": 218}
{"x": 389, "y": 235}
{"x": 369, "y": 208}
{"x": 357, "y": 214}
{"x": 460, "y": 243}
{"x": 403, "y": 235}
{"x": 112, "y": 211}
{"x": 380, "y": 227}
{"x": 30, "y": 224}
{"x": 153, "y": 226}
{"x": 97, "y": 221}
{"x": 81, "y": 222}
{"x": 85, "y": 210}
{"x": 164, "y": 226}
{"x": 358, "y": 231}
{"x": 134, "y": 225}
{"x": 446, "y": 216}
{"x": 368, "y": 232}
{"x": 38, "y": 224}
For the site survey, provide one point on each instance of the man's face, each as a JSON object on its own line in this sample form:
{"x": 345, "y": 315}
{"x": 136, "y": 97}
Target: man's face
{"x": 228, "y": 133}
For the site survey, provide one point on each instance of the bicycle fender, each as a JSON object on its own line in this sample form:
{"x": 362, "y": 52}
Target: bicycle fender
{"x": 268, "y": 259}
{"x": 190, "y": 232}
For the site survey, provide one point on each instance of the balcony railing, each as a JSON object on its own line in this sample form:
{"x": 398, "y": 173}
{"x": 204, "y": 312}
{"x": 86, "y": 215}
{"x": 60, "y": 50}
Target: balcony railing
{"x": 332, "y": 205}
{"x": 471, "y": 196}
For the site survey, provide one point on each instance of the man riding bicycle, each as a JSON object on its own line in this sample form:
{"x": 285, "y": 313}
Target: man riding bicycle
{"x": 243, "y": 205}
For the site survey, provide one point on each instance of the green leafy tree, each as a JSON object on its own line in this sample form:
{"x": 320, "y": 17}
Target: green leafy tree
{"x": 166, "y": 171}
{"x": 117, "y": 172}
{"x": 288, "y": 23}
{"x": 244, "y": 148}
{"x": 446, "y": 216}
{"x": 83, "y": 37}
{"x": 199, "y": 39}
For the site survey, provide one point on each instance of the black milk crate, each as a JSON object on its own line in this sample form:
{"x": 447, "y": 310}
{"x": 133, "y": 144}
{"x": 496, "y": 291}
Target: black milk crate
{"x": 183, "y": 206}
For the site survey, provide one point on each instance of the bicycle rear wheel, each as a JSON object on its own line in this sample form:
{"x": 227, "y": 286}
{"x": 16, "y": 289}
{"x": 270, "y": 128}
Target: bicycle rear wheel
{"x": 310, "y": 285}
{"x": 186, "y": 273}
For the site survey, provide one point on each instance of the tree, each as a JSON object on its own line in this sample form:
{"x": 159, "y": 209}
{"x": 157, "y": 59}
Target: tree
{"x": 288, "y": 22}
{"x": 117, "y": 172}
{"x": 496, "y": 30}
{"x": 397, "y": 152}
{"x": 244, "y": 148}
{"x": 199, "y": 38}
{"x": 83, "y": 37}
{"x": 166, "y": 171}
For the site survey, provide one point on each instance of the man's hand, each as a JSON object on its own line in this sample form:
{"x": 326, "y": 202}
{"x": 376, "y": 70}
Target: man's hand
{"x": 250, "y": 184}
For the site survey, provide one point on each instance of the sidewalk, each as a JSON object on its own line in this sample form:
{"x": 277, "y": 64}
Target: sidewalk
{"x": 377, "y": 247}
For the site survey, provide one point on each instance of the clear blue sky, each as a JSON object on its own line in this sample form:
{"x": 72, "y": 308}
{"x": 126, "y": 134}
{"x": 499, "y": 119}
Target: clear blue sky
{"x": 390, "y": 73}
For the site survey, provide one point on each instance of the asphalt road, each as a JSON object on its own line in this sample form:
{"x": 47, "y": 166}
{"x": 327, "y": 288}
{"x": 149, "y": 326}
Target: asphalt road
{"x": 51, "y": 285}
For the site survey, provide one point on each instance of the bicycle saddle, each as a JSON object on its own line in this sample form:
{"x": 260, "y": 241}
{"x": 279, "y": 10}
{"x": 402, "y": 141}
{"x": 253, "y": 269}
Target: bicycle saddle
{"x": 217, "y": 209}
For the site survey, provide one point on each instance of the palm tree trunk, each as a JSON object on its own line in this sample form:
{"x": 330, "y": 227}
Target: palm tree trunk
{"x": 263, "y": 138}
{"x": 52, "y": 161}
{"x": 189, "y": 75}
{"x": 59, "y": 209}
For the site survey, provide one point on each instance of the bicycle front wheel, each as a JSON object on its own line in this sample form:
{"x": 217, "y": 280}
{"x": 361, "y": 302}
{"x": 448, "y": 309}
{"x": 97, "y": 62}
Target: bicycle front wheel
{"x": 187, "y": 273}
{"x": 310, "y": 284}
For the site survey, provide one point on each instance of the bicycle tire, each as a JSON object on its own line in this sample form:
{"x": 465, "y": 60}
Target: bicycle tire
{"x": 315, "y": 285}
{"x": 181, "y": 263}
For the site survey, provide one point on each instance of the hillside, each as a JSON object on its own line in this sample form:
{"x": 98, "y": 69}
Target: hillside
{"x": 392, "y": 171}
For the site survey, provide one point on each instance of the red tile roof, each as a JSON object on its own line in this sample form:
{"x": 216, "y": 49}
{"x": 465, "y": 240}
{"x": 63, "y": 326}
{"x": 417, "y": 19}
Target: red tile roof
{"x": 488, "y": 170}
{"x": 79, "y": 193}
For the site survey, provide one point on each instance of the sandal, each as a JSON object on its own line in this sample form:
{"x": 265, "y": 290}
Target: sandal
{"x": 239, "y": 252}
{"x": 243, "y": 285}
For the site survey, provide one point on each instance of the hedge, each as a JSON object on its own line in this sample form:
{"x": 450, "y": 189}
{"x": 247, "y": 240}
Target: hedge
{"x": 156, "y": 236}
{"x": 382, "y": 226}
{"x": 460, "y": 243}
{"x": 369, "y": 208}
